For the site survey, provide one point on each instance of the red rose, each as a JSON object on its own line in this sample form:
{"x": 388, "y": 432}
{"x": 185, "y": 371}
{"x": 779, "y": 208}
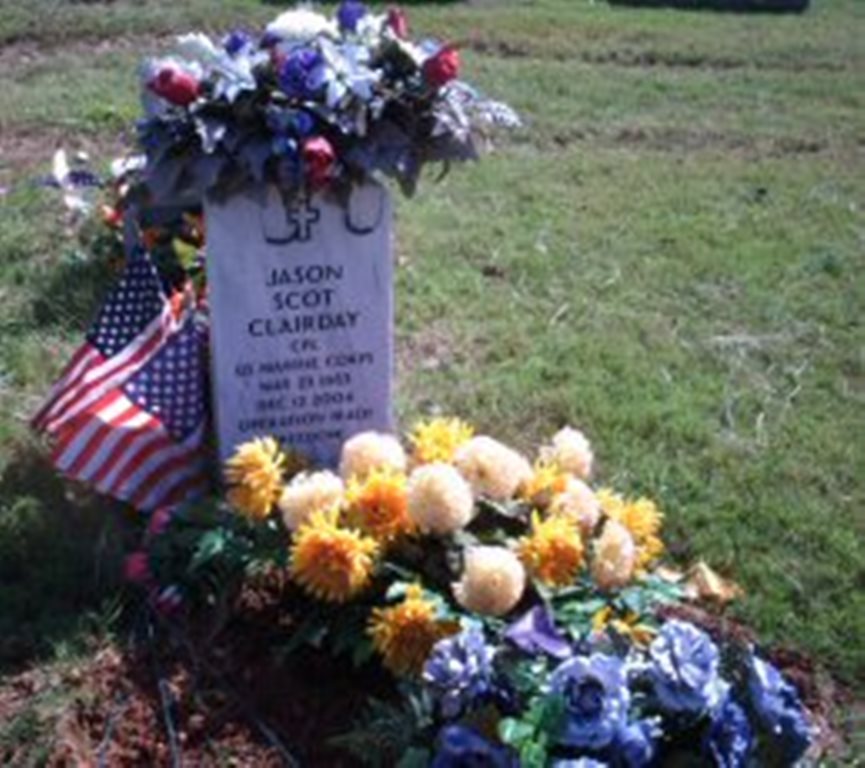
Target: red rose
{"x": 175, "y": 86}
{"x": 440, "y": 69}
{"x": 136, "y": 568}
{"x": 318, "y": 161}
{"x": 398, "y": 22}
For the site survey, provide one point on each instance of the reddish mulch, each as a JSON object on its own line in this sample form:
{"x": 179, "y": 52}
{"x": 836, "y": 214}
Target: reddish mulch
{"x": 230, "y": 701}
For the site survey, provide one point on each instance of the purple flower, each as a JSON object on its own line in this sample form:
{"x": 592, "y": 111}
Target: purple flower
{"x": 636, "y": 743}
{"x": 349, "y": 13}
{"x": 730, "y": 737}
{"x": 461, "y": 747}
{"x": 684, "y": 669}
{"x": 580, "y": 762}
{"x": 534, "y": 633}
{"x": 234, "y": 42}
{"x": 779, "y": 709}
{"x": 459, "y": 671}
{"x": 301, "y": 74}
{"x": 596, "y": 696}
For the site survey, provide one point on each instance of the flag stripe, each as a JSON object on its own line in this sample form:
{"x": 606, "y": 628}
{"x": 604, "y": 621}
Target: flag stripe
{"x": 105, "y": 454}
{"x": 114, "y": 372}
{"x": 72, "y": 439}
{"x": 84, "y": 357}
{"x": 110, "y": 424}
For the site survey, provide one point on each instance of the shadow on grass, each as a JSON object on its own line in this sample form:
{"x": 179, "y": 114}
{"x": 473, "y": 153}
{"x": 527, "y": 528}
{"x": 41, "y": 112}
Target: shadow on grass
{"x": 72, "y": 294}
{"x": 60, "y": 560}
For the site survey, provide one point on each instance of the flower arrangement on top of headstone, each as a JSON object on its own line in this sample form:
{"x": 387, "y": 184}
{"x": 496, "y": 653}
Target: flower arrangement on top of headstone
{"x": 286, "y": 138}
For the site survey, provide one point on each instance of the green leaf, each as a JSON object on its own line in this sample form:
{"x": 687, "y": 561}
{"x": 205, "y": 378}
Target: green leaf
{"x": 210, "y": 546}
{"x": 515, "y": 732}
{"x": 414, "y": 757}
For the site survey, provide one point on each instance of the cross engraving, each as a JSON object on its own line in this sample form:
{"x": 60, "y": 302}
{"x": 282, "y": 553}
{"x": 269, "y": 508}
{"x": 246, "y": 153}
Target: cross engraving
{"x": 299, "y": 219}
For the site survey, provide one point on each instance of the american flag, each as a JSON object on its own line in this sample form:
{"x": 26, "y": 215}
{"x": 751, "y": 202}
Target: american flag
{"x": 128, "y": 415}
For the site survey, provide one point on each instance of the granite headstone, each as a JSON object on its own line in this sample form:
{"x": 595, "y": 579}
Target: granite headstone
{"x": 301, "y": 304}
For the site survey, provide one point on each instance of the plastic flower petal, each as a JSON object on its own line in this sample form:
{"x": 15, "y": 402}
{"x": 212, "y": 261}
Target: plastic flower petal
{"x": 685, "y": 669}
{"x": 553, "y": 551}
{"x": 378, "y": 505}
{"x": 578, "y": 502}
{"x": 571, "y": 450}
{"x": 366, "y": 452}
{"x": 730, "y": 738}
{"x": 308, "y": 493}
{"x": 596, "y": 697}
{"x": 459, "y": 671}
{"x": 492, "y": 469}
{"x": 440, "y": 501}
{"x": 404, "y": 634}
{"x": 254, "y": 473}
{"x": 492, "y": 582}
{"x": 779, "y": 709}
{"x": 437, "y": 440}
{"x": 460, "y": 747}
{"x": 613, "y": 557}
{"x": 534, "y": 632}
{"x": 330, "y": 562}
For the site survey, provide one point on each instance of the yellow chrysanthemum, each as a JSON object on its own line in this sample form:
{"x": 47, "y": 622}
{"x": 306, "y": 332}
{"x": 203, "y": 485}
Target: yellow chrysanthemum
{"x": 254, "y": 473}
{"x": 378, "y": 505}
{"x": 548, "y": 480}
{"x": 553, "y": 552}
{"x": 627, "y": 626}
{"x": 330, "y": 562}
{"x": 643, "y": 520}
{"x": 404, "y": 634}
{"x": 437, "y": 440}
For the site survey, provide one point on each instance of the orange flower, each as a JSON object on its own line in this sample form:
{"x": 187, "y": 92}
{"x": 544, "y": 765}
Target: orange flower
{"x": 378, "y": 505}
{"x": 553, "y": 552}
{"x": 330, "y": 562}
{"x": 404, "y": 634}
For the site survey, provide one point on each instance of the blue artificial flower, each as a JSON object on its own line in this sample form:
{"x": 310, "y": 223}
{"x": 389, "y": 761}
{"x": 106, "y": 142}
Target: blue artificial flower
{"x": 637, "y": 743}
{"x": 684, "y": 669}
{"x": 779, "y": 709}
{"x": 234, "y": 42}
{"x": 349, "y": 13}
{"x": 462, "y": 747}
{"x": 301, "y": 74}
{"x": 730, "y": 738}
{"x": 535, "y": 632}
{"x": 580, "y": 762}
{"x": 459, "y": 671}
{"x": 596, "y": 696}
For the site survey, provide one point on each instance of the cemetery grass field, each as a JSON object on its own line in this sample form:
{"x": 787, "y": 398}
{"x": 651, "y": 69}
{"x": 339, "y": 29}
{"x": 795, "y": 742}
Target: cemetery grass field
{"x": 670, "y": 255}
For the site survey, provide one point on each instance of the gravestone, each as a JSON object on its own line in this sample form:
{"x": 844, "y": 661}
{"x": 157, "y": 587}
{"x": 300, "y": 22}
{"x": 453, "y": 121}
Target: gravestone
{"x": 301, "y": 306}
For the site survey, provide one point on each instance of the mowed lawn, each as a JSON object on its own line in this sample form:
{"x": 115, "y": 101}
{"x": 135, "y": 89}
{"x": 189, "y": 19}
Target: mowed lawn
{"x": 670, "y": 255}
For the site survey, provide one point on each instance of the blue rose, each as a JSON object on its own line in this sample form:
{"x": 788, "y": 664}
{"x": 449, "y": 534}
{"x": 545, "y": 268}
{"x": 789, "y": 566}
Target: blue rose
{"x": 683, "y": 669}
{"x": 301, "y": 74}
{"x": 730, "y": 738}
{"x": 779, "y": 709}
{"x": 349, "y": 13}
{"x": 596, "y": 696}
{"x": 580, "y": 762}
{"x": 461, "y": 747}
{"x": 459, "y": 671}
{"x": 637, "y": 743}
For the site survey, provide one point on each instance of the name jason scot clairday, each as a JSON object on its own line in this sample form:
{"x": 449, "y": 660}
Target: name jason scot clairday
{"x": 304, "y": 297}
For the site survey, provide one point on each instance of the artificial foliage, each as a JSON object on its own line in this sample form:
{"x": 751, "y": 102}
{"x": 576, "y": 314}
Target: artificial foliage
{"x": 520, "y": 634}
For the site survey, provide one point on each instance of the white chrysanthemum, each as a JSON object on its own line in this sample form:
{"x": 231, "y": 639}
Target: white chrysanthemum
{"x": 300, "y": 25}
{"x": 493, "y": 581}
{"x": 439, "y": 499}
{"x": 571, "y": 451}
{"x": 308, "y": 493}
{"x": 368, "y": 451}
{"x": 492, "y": 469}
{"x": 615, "y": 557}
{"x": 579, "y": 503}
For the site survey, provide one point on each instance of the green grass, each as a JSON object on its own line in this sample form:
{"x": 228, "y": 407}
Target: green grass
{"x": 670, "y": 255}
